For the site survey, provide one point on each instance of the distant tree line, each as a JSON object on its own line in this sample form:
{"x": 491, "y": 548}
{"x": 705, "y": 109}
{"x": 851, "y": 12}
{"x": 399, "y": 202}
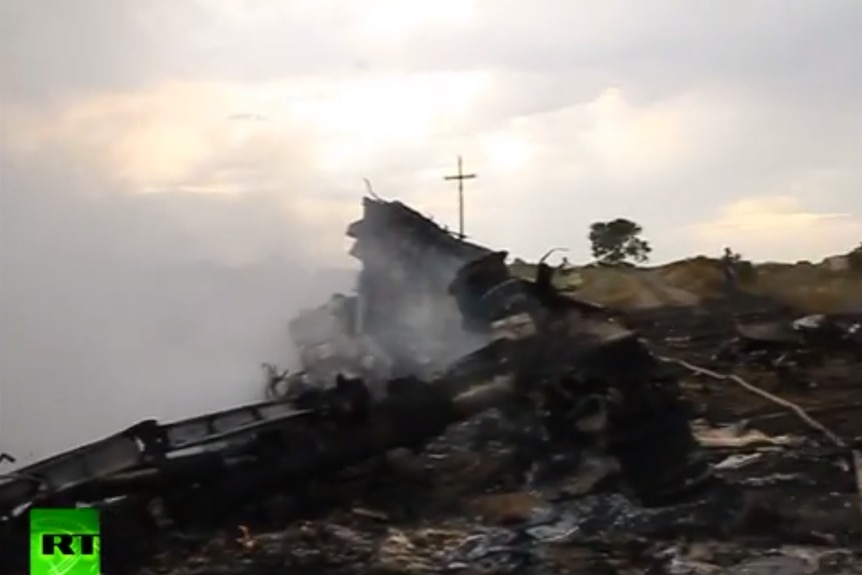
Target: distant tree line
{"x": 620, "y": 242}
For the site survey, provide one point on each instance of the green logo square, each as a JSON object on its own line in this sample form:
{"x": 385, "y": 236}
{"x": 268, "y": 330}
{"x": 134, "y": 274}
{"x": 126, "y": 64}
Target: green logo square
{"x": 65, "y": 541}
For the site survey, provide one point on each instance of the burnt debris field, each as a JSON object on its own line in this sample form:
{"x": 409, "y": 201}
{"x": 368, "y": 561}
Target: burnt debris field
{"x": 450, "y": 417}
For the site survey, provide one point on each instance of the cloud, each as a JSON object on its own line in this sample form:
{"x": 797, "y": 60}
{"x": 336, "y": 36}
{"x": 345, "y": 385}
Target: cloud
{"x": 760, "y": 225}
{"x": 650, "y": 50}
{"x": 53, "y": 49}
{"x": 232, "y": 186}
{"x": 151, "y": 252}
{"x": 656, "y": 49}
{"x": 545, "y": 176}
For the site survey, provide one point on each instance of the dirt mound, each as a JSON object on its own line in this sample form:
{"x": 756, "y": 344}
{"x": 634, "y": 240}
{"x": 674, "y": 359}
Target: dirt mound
{"x": 816, "y": 288}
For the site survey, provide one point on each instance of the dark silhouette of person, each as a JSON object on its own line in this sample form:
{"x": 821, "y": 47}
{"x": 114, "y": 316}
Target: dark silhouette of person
{"x": 728, "y": 268}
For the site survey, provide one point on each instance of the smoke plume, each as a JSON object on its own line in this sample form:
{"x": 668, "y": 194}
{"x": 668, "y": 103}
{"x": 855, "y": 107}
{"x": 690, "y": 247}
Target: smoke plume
{"x": 120, "y": 302}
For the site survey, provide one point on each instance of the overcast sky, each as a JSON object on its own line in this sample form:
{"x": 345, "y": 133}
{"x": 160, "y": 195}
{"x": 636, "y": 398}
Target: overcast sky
{"x": 196, "y": 134}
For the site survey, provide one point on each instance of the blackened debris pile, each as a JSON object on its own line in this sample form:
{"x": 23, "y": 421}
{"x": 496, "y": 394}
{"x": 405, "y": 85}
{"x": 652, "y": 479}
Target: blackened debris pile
{"x": 593, "y": 381}
{"x": 434, "y": 306}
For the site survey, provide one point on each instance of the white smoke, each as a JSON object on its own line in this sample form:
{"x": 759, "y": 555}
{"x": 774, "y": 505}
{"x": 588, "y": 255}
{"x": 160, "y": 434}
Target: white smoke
{"x": 117, "y": 306}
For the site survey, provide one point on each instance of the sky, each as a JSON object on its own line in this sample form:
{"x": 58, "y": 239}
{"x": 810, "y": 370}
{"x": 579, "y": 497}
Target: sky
{"x": 175, "y": 174}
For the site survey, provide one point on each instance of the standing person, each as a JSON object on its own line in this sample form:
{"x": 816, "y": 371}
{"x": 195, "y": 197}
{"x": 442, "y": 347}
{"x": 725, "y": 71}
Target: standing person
{"x": 728, "y": 267}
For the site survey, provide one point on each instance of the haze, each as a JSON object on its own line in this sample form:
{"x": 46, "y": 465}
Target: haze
{"x": 176, "y": 176}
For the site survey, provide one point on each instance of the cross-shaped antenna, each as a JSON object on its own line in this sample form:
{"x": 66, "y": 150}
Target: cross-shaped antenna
{"x": 460, "y": 176}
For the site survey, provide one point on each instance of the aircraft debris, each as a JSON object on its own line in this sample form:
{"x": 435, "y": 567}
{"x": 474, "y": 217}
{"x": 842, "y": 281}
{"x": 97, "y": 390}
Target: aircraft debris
{"x": 496, "y": 386}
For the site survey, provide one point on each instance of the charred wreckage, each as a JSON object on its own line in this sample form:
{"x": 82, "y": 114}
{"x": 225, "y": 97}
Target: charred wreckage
{"x": 437, "y": 332}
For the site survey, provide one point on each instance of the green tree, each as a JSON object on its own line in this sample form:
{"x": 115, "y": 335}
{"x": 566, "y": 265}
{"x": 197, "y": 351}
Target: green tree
{"x": 618, "y": 241}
